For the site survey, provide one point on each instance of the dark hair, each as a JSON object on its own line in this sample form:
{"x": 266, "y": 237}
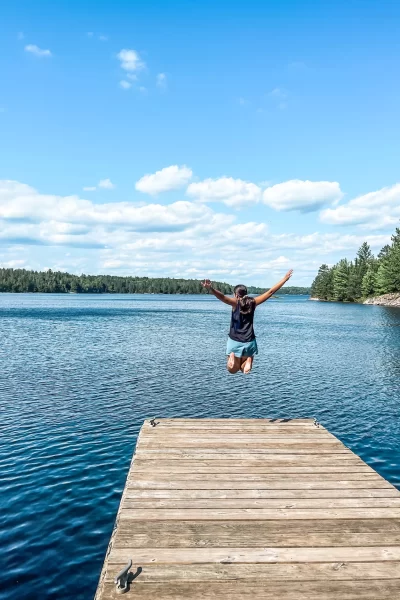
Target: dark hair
{"x": 246, "y": 303}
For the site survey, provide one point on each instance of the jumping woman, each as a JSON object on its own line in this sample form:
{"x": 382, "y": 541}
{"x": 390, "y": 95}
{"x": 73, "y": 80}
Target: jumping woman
{"x": 242, "y": 345}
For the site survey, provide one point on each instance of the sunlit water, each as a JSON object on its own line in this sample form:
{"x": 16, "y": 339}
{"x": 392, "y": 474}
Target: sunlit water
{"x": 79, "y": 374}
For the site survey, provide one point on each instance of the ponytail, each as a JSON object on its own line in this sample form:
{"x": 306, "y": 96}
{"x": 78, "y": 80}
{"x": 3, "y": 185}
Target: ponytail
{"x": 247, "y": 305}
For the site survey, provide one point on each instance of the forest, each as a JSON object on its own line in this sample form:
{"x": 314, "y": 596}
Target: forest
{"x": 363, "y": 277}
{"x": 22, "y": 281}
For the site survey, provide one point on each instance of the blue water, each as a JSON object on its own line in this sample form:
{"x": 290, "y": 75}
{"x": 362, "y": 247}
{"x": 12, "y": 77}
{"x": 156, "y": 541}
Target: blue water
{"x": 79, "y": 374}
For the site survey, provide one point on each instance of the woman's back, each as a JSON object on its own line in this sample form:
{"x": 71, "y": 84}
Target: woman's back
{"x": 241, "y": 329}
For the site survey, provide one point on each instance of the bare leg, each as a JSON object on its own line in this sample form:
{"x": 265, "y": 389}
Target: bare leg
{"x": 246, "y": 364}
{"x": 233, "y": 364}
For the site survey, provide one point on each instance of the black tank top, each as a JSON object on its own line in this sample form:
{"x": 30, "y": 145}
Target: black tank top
{"x": 241, "y": 329}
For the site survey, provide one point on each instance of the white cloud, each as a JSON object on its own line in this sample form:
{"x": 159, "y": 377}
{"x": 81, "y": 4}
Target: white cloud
{"x": 182, "y": 239}
{"x": 305, "y": 196}
{"x": 37, "y": 51}
{"x": 125, "y": 84}
{"x": 90, "y": 34}
{"x": 103, "y": 38}
{"x": 130, "y": 60}
{"x": 232, "y": 192}
{"x": 106, "y": 184}
{"x": 375, "y": 210}
{"x": 22, "y": 206}
{"x": 20, "y": 35}
{"x": 131, "y": 76}
{"x": 161, "y": 81}
{"x": 143, "y": 90}
{"x": 169, "y": 178}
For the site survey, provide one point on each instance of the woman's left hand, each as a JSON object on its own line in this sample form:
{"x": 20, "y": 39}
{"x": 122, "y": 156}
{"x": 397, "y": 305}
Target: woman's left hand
{"x": 206, "y": 283}
{"x": 289, "y": 274}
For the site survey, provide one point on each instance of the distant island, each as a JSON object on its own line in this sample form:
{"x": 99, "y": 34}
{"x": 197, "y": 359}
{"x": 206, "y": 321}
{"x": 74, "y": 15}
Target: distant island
{"x": 368, "y": 279}
{"x": 23, "y": 281}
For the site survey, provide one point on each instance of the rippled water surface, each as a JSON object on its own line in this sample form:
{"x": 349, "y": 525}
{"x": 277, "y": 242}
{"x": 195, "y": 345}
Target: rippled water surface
{"x": 79, "y": 374}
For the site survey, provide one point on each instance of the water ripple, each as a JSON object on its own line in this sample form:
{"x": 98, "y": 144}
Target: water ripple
{"x": 80, "y": 373}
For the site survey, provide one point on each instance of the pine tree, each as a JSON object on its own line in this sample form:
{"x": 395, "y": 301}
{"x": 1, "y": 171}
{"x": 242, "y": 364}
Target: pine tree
{"x": 341, "y": 280}
{"x": 368, "y": 286}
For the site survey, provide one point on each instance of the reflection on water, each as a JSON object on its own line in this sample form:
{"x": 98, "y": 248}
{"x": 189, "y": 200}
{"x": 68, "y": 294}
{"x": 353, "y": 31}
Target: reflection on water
{"x": 80, "y": 373}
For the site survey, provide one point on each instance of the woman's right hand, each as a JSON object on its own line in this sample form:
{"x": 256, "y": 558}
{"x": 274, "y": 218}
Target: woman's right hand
{"x": 289, "y": 274}
{"x": 206, "y": 283}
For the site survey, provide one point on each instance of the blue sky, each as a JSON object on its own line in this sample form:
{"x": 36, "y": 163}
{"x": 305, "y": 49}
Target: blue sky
{"x": 269, "y": 133}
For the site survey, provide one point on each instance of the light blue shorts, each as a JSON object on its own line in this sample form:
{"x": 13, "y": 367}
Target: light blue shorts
{"x": 241, "y": 348}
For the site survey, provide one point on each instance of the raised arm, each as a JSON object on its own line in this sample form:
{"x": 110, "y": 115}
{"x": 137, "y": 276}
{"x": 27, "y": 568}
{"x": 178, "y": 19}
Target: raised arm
{"x": 263, "y": 297}
{"x": 226, "y": 299}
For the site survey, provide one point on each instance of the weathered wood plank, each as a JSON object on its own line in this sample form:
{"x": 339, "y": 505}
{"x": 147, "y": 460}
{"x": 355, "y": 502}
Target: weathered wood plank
{"x": 256, "y": 456}
{"x": 343, "y": 571}
{"x": 160, "y": 432}
{"x": 285, "y": 503}
{"x": 388, "y": 492}
{"x": 245, "y": 470}
{"x": 368, "y": 475}
{"x": 250, "y": 463}
{"x": 220, "y": 438}
{"x": 200, "y": 514}
{"x": 268, "y": 484}
{"x": 243, "y": 452}
{"x": 237, "y": 443}
{"x": 316, "y": 540}
{"x": 230, "y": 530}
{"x": 271, "y": 590}
{"x": 255, "y": 534}
{"x": 255, "y": 555}
{"x": 218, "y": 423}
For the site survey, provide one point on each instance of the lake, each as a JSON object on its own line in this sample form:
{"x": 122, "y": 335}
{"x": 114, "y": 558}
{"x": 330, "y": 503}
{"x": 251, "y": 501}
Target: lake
{"x": 79, "y": 373}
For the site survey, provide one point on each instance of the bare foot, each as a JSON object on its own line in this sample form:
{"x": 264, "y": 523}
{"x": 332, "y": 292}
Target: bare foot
{"x": 231, "y": 360}
{"x": 248, "y": 365}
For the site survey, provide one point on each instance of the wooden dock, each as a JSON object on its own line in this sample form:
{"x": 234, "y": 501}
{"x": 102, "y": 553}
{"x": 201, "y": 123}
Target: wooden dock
{"x": 253, "y": 509}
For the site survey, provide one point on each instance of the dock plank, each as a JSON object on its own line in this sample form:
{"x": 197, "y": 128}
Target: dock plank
{"x": 305, "y": 590}
{"x": 253, "y": 508}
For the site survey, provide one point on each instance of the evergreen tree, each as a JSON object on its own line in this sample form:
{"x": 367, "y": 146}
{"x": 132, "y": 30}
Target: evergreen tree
{"x": 20, "y": 280}
{"x": 368, "y": 286}
{"x": 366, "y": 276}
{"x": 341, "y": 280}
{"x": 322, "y": 286}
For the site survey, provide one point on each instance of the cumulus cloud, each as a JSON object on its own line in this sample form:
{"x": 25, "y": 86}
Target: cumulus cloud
{"x": 375, "y": 210}
{"x": 185, "y": 239}
{"x": 305, "y": 196}
{"x": 33, "y": 49}
{"x": 232, "y": 192}
{"x": 89, "y": 188}
{"x": 130, "y": 60}
{"x": 169, "y": 178}
{"x": 22, "y": 205}
{"x": 125, "y": 84}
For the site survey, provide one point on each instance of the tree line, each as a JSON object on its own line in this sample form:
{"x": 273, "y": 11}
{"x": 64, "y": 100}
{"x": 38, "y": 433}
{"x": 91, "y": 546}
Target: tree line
{"x": 365, "y": 276}
{"x": 22, "y": 281}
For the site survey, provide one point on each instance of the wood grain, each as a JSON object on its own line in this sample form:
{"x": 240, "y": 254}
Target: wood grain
{"x": 253, "y": 509}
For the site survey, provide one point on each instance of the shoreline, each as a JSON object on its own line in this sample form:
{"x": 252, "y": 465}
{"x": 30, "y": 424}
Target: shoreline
{"x": 392, "y": 300}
